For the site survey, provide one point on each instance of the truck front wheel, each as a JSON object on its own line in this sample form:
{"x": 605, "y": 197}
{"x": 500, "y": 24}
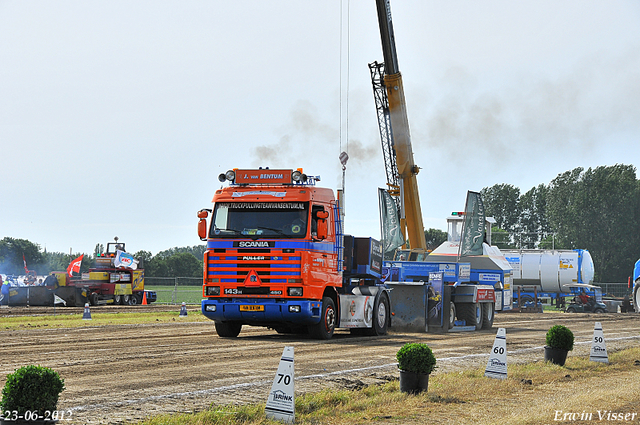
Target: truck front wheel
{"x": 324, "y": 329}
{"x": 228, "y": 329}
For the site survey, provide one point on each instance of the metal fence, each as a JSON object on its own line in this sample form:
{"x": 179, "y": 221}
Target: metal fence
{"x": 175, "y": 290}
{"x": 614, "y": 289}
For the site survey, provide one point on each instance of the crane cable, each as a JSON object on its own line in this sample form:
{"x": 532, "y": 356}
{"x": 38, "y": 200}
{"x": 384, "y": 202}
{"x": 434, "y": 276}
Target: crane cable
{"x": 344, "y": 113}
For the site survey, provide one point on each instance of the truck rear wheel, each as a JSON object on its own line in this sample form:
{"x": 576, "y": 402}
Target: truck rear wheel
{"x": 636, "y": 296}
{"x": 125, "y": 299}
{"x": 488, "y": 313}
{"x": 326, "y": 326}
{"x": 228, "y": 329}
{"x": 117, "y": 299}
{"x": 380, "y": 317}
{"x": 471, "y": 313}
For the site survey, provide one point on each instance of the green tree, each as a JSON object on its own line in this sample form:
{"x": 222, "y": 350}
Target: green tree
{"x": 184, "y": 264}
{"x": 11, "y": 256}
{"x": 533, "y": 223}
{"x": 597, "y": 209}
{"x": 435, "y": 238}
{"x": 501, "y": 201}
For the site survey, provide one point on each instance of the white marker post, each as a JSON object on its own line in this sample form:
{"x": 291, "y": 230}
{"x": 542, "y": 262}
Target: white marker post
{"x": 87, "y": 313}
{"x": 281, "y": 404}
{"x": 497, "y": 364}
{"x": 598, "y": 346}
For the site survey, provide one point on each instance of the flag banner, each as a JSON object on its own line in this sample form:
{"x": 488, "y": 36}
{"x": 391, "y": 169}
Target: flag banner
{"x": 391, "y": 233}
{"x": 74, "y": 266}
{"x": 125, "y": 260}
{"x": 473, "y": 227}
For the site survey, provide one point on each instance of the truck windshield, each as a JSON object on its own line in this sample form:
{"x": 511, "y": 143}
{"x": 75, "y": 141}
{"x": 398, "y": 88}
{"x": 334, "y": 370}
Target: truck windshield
{"x": 262, "y": 219}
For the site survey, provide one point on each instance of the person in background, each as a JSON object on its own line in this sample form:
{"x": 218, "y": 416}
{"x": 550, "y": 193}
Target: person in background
{"x": 4, "y": 293}
{"x": 584, "y": 298}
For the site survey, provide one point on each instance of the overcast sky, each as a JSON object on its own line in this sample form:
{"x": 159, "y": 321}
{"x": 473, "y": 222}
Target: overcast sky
{"x": 116, "y": 117}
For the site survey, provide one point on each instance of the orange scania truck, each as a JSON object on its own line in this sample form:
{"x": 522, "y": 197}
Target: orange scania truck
{"x": 277, "y": 257}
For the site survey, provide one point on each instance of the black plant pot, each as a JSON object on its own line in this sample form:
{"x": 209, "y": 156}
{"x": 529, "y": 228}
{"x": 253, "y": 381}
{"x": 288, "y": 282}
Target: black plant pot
{"x": 555, "y": 355}
{"x": 412, "y": 382}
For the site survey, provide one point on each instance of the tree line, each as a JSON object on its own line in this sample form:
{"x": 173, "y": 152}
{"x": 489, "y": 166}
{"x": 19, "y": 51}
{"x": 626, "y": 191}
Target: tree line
{"x": 597, "y": 209}
{"x": 174, "y": 262}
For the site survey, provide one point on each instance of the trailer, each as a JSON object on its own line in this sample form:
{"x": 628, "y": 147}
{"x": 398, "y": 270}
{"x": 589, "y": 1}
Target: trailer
{"x": 548, "y": 274}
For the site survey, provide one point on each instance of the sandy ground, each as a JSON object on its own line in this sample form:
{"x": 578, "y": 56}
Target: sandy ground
{"x": 118, "y": 374}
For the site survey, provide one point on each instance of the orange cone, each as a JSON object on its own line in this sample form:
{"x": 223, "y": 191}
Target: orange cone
{"x": 144, "y": 298}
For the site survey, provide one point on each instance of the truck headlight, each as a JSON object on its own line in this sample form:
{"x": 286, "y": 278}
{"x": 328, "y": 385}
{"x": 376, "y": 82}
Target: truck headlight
{"x": 294, "y": 291}
{"x": 210, "y": 307}
{"x": 212, "y": 291}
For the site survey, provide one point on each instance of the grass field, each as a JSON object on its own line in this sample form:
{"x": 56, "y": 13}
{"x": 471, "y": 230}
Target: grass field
{"x": 532, "y": 394}
{"x": 177, "y": 295}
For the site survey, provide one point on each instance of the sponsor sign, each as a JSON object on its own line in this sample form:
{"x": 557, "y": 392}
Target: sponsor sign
{"x": 356, "y": 311}
{"x": 485, "y": 294}
{"x": 464, "y": 271}
{"x": 473, "y": 225}
{"x": 261, "y": 205}
{"x": 263, "y": 176}
{"x": 489, "y": 277}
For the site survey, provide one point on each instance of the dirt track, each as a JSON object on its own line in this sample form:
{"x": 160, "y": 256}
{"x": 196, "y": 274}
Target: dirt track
{"x": 115, "y": 374}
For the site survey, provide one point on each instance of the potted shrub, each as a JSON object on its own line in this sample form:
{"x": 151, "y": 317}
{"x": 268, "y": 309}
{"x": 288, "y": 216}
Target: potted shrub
{"x": 415, "y": 361}
{"x": 559, "y": 343}
{"x": 29, "y": 393}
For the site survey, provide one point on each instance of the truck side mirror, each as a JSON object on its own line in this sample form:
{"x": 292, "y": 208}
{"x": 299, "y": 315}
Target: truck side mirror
{"x": 202, "y": 224}
{"x": 202, "y": 229}
{"x": 323, "y": 232}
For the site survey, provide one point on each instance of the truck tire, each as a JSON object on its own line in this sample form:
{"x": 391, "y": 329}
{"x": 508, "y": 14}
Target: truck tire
{"x": 134, "y": 300}
{"x": 452, "y": 314}
{"x": 228, "y": 329}
{"x": 571, "y": 310}
{"x": 488, "y": 312}
{"x": 326, "y": 326}
{"x": 117, "y": 299}
{"x": 380, "y": 317}
{"x": 125, "y": 299}
{"x": 471, "y": 313}
{"x": 636, "y": 296}
{"x": 94, "y": 298}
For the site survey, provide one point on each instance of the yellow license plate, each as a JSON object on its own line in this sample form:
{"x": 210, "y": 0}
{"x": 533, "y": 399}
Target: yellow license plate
{"x": 251, "y": 308}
